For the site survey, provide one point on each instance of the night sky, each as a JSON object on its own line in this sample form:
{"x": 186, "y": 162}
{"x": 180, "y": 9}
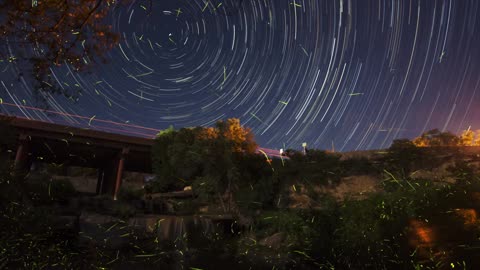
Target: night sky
{"x": 353, "y": 73}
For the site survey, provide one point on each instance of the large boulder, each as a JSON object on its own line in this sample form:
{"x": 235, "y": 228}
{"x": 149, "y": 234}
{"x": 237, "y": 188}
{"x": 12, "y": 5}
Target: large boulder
{"x": 104, "y": 230}
{"x": 274, "y": 241}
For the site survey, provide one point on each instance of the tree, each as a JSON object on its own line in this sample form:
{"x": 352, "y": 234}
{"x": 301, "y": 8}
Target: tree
{"x": 41, "y": 34}
{"x": 476, "y": 141}
{"x": 58, "y": 32}
{"x": 240, "y": 137}
{"x": 448, "y": 139}
{"x": 210, "y": 159}
{"x": 197, "y": 152}
{"x": 466, "y": 139}
{"x": 161, "y": 162}
{"x": 402, "y": 155}
{"x": 435, "y": 137}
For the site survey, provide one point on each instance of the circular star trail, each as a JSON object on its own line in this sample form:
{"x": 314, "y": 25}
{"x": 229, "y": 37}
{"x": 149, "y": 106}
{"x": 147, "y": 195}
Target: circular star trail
{"x": 352, "y": 74}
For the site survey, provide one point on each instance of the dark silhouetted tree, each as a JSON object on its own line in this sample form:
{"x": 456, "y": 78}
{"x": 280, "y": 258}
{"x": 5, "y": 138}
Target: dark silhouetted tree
{"x": 210, "y": 159}
{"x": 47, "y": 33}
{"x": 402, "y": 156}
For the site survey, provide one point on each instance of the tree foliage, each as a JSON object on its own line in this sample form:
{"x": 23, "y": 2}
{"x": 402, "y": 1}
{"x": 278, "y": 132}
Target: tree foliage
{"x": 402, "y": 156}
{"x": 216, "y": 161}
{"x": 199, "y": 155}
{"x": 49, "y": 33}
{"x": 467, "y": 138}
{"x": 435, "y": 137}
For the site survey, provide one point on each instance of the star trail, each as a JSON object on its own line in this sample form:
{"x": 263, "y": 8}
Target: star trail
{"x": 353, "y": 74}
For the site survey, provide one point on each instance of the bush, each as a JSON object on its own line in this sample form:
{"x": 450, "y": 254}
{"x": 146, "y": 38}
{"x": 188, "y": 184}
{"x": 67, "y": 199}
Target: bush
{"x": 318, "y": 167}
{"x": 259, "y": 195}
{"x": 164, "y": 185}
{"x": 371, "y": 233}
{"x": 358, "y": 166}
{"x": 44, "y": 189}
{"x": 258, "y": 185}
{"x": 61, "y": 190}
{"x": 122, "y": 209}
{"x": 206, "y": 188}
{"x": 130, "y": 194}
{"x": 299, "y": 227}
{"x": 463, "y": 172}
{"x": 402, "y": 157}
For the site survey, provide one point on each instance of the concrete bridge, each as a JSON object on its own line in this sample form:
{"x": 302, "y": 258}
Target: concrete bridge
{"x": 110, "y": 153}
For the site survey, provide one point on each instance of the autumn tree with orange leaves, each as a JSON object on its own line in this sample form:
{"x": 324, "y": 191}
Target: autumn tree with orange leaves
{"x": 41, "y": 34}
{"x": 435, "y": 137}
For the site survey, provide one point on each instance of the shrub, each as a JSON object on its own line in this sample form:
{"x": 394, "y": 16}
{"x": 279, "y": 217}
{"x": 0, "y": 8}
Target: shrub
{"x": 164, "y": 185}
{"x": 358, "y": 166}
{"x": 299, "y": 227}
{"x": 44, "y": 189}
{"x": 463, "y": 172}
{"x": 122, "y": 209}
{"x": 206, "y": 188}
{"x": 61, "y": 189}
{"x": 370, "y": 233}
{"x": 130, "y": 194}
{"x": 402, "y": 157}
{"x": 258, "y": 195}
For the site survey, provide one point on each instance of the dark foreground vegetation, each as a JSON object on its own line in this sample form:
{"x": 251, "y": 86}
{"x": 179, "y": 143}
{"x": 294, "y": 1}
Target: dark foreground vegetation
{"x": 241, "y": 210}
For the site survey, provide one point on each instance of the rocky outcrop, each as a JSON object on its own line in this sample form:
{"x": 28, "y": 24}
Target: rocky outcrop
{"x": 99, "y": 229}
{"x": 114, "y": 233}
{"x": 274, "y": 241}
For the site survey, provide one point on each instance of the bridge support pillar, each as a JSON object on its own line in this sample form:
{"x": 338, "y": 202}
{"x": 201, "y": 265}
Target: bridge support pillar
{"x": 22, "y": 160}
{"x": 118, "y": 180}
{"x": 101, "y": 174}
{"x": 110, "y": 176}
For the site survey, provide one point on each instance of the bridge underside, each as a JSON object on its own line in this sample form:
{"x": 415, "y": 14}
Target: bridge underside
{"x": 83, "y": 155}
{"x": 109, "y": 162}
{"x": 110, "y": 154}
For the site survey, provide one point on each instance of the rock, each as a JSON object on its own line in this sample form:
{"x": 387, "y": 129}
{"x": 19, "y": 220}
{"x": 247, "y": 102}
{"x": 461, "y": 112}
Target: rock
{"x": 176, "y": 194}
{"x": 146, "y": 223}
{"x": 102, "y": 230}
{"x": 274, "y": 241}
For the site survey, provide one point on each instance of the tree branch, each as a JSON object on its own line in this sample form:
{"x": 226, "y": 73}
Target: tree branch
{"x": 99, "y": 2}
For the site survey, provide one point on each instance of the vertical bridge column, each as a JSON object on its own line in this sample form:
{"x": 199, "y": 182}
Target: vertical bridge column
{"x": 110, "y": 174}
{"x": 22, "y": 161}
{"x": 118, "y": 180}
